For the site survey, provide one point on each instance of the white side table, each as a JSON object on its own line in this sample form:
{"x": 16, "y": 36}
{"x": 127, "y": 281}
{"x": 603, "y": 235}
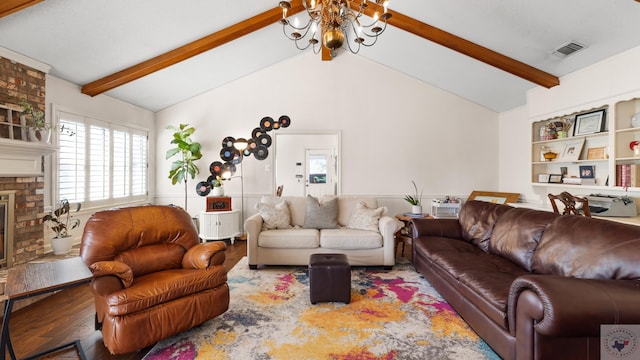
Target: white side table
{"x": 218, "y": 225}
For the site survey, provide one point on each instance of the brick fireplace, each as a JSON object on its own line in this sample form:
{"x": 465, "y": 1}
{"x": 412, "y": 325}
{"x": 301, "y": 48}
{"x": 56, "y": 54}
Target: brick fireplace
{"x": 21, "y": 165}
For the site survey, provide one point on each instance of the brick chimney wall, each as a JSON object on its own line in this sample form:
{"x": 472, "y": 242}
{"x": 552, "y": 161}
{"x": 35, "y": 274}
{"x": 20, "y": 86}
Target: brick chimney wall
{"x": 18, "y": 82}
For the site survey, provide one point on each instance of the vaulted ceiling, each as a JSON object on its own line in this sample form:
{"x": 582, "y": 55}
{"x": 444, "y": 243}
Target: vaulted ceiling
{"x": 156, "y": 53}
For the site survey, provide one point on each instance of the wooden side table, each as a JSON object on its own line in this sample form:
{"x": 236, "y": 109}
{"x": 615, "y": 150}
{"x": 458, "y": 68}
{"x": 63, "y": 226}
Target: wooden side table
{"x": 34, "y": 279}
{"x": 403, "y": 235}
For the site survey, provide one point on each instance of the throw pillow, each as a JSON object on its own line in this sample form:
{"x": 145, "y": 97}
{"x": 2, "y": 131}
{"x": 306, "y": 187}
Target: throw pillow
{"x": 321, "y": 216}
{"x": 275, "y": 216}
{"x": 364, "y": 218}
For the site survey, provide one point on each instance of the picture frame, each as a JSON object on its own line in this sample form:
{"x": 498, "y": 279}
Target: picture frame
{"x": 555, "y": 178}
{"x": 494, "y": 197}
{"x": 590, "y": 123}
{"x": 543, "y": 178}
{"x": 587, "y": 171}
{"x": 597, "y": 153}
{"x": 572, "y": 150}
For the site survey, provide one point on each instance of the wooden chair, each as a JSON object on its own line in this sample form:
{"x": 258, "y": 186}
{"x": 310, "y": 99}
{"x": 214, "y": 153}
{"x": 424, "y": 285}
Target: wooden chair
{"x": 569, "y": 202}
{"x": 279, "y": 190}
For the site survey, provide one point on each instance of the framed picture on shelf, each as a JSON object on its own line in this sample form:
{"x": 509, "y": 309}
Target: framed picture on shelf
{"x": 543, "y": 178}
{"x": 571, "y": 150}
{"x": 587, "y": 171}
{"x": 589, "y": 123}
{"x": 555, "y": 178}
{"x": 597, "y": 153}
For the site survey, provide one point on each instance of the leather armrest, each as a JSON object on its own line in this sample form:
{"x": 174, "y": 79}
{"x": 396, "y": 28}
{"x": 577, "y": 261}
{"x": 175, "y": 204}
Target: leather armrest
{"x": 205, "y": 255}
{"x": 113, "y": 268}
{"x": 449, "y": 228}
{"x": 566, "y": 306}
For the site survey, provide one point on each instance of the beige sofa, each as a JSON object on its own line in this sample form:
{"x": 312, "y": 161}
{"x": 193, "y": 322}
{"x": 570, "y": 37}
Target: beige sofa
{"x": 294, "y": 246}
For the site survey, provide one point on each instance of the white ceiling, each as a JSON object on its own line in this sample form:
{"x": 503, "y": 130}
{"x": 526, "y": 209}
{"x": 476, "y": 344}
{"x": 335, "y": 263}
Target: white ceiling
{"x": 85, "y": 40}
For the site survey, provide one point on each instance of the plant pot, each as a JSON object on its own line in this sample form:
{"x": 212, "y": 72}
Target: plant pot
{"x": 42, "y": 135}
{"x": 416, "y": 209}
{"x": 61, "y": 245}
{"x": 217, "y": 191}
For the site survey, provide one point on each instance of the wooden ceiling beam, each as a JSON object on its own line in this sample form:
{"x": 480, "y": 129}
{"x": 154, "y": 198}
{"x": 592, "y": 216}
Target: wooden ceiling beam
{"x": 466, "y": 47}
{"x": 8, "y": 7}
{"x": 189, "y": 50}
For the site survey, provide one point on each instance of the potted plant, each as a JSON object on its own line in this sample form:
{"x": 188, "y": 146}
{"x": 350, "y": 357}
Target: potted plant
{"x": 189, "y": 152}
{"x": 414, "y": 200}
{"x": 38, "y": 129}
{"x": 60, "y": 222}
{"x": 218, "y": 189}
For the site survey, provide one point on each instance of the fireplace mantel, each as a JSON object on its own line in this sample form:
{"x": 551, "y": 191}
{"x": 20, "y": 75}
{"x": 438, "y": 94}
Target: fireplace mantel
{"x": 21, "y": 158}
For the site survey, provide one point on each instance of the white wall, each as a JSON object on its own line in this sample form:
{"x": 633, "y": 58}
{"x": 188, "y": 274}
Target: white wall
{"x": 590, "y": 87}
{"x": 394, "y": 129}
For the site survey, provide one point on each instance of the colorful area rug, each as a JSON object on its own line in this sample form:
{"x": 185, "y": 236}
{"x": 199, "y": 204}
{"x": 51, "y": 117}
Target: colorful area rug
{"x": 392, "y": 315}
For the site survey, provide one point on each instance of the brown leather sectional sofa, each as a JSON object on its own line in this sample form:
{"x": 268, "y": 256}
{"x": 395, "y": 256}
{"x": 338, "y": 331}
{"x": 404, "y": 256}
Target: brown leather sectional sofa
{"x": 533, "y": 284}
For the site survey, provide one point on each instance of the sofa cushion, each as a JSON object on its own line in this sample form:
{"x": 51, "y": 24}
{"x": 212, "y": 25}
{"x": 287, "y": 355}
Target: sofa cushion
{"x": 297, "y": 206}
{"x": 350, "y": 239}
{"x": 321, "y": 215}
{"x": 347, "y": 205}
{"x": 364, "y": 218}
{"x": 477, "y": 219}
{"x": 589, "y": 248}
{"x": 485, "y": 279}
{"x": 290, "y": 238}
{"x": 517, "y": 234}
{"x": 162, "y": 287}
{"x": 275, "y": 216}
{"x": 152, "y": 258}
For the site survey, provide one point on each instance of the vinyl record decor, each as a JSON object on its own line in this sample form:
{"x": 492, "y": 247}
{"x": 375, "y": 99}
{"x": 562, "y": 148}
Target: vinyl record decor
{"x": 234, "y": 150}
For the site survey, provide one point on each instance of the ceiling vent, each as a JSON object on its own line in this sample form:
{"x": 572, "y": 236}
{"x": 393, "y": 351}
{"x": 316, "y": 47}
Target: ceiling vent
{"x": 568, "y": 49}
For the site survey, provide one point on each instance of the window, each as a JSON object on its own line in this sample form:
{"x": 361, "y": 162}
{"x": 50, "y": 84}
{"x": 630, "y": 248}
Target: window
{"x": 100, "y": 163}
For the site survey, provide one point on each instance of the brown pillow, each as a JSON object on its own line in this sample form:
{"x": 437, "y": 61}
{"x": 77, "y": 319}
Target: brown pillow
{"x": 115, "y": 268}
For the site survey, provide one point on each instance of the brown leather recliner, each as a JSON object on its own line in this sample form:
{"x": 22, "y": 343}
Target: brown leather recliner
{"x": 152, "y": 278}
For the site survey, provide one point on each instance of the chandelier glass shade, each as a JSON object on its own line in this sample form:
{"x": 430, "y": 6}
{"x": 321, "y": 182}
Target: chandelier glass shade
{"x": 334, "y": 22}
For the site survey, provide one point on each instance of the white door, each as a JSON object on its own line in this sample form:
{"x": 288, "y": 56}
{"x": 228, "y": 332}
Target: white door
{"x": 320, "y": 172}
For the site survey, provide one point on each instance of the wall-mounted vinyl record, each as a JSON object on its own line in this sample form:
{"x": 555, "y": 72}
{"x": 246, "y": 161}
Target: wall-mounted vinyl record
{"x": 264, "y": 140}
{"x": 276, "y": 125}
{"x": 266, "y": 123}
{"x": 261, "y": 152}
{"x": 228, "y": 170}
{"x": 228, "y": 141}
{"x": 203, "y": 188}
{"x": 284, "y": 121}
{"x": 237, "y": 157}
{"x": 252, "y": 144}
{"x": 214, "y": 168}
{"x": 255, "y": 134}
{"x": 227, "y": 154}
{"x": 246, "y": 152}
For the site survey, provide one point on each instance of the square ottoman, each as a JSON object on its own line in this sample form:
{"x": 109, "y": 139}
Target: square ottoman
{"x": 329, "y": 278}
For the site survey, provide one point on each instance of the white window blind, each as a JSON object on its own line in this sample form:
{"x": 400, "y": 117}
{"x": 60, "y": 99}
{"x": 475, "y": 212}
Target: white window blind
{"x": 101, "y": 163}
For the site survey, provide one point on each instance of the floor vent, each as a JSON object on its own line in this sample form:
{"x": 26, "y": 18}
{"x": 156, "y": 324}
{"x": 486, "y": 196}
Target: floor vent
{"x": 568, "y": 49}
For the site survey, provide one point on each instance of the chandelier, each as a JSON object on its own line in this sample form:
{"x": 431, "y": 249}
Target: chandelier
{"x": 334, "y": 22}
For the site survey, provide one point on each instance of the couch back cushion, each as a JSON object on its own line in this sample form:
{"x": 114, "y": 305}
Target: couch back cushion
{"x": 517, "y": 234}
{"x": 347, "y": 206}
{"x": 588, "y": 248}
{"x": 152, "y": 258}
{"x": 297, "y": 207}
{"x": 111, "y": 232}
{"x": 477, "y": 219}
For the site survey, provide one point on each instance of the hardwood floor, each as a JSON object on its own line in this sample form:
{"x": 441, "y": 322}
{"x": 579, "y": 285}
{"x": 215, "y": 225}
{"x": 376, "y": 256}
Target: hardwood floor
{"x": 69, "y": 316}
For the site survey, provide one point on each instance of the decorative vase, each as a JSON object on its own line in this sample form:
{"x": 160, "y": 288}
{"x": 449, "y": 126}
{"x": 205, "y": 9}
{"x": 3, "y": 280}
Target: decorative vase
{"x": 416, "y": 209}
{"x": 217, "y": 191}
{"x": 61, "y": 245}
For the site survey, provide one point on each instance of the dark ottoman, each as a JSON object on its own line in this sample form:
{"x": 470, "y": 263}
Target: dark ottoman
{"x": 329, "y": 278}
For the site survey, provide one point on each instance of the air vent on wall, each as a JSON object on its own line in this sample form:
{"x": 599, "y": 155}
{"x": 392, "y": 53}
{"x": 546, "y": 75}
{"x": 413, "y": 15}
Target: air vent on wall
{"x": 568, "y": 49}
